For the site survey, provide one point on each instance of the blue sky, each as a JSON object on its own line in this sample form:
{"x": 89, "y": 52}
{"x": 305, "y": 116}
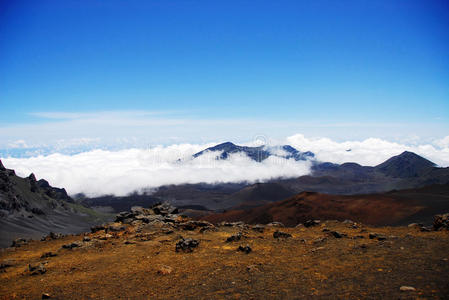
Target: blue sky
{"x": 345, "y": 69}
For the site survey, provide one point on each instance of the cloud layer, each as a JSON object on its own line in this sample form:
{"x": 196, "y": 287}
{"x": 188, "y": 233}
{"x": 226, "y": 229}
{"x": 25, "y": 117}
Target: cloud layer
{"x": 98, "y": 172}
{"x": 121, "y": 172}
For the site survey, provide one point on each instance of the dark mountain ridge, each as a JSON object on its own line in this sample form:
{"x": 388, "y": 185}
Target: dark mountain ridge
{"x": 31, "y": 208}
{"x": 258, "y": 154}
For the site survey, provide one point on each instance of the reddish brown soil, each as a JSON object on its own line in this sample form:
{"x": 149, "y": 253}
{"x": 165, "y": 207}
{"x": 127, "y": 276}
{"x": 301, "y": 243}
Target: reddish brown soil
{"x": 377, "y": 209}
{"x": 301, "y": 267}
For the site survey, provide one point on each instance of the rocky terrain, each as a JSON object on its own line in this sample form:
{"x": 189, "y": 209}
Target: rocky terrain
{"x": 156, "y": 253}
{"x": 30, "y": 208}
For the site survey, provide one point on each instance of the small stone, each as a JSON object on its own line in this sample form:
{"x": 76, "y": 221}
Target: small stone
{"x": 317, "y": 249}
{"x": 72, "y": 245}
{"x": 48, "y": 254}
{"x": 319, "y": 240}
{"x": 19, "y": 242}
{"x": 36, "y": 269}
{"x": 86, "y": 239}
{"x": 6, "y": 264}
{"x": 252, "y": 268}
{"x": 234, "y": 238}
{"x": 275, "y": 224}
{"x": 279, "y": 234}
{"x": 128, "y": 242}
{"x": 46, "y": 296}
{"x": 164, "y": 270}
{"x": 258, "y": 228}
{"x": 407, "y": 289}
{"x": 311, "y": 223}
{"x": 336, "y": 234}
{"x": 247, "y": 249}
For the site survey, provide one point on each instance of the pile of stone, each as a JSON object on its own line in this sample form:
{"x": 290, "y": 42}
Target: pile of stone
{"x": 158, "y": 213}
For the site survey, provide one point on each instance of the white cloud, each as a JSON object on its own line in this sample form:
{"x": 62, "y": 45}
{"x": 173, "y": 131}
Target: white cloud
{"x": 97, "y": 172}
{"x": 369, "y": 152}
{"x": 121, "y": 172}
{"x": 18, "y": 144}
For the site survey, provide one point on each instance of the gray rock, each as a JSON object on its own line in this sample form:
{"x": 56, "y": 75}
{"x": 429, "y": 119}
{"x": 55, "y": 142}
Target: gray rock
{"x": 275, "y": 224}
{"x": 186, "y": 245}
{"x": 19, "y": 242}
{"x": 96, "y": 228}
{"x": 259, "y": 228}
{"x": 311, "y": 223}
{"x": 246, "y": 249}
{"x": 72, "y": 245}
{"x": 234, "y": 238}
{"x": 48, "y": 254}
{"x": 336, "y": 234}
{"x": 279, "y": 234}
{"x": 441, "y": 222}
{"x": 115, "y": 228}
{"x": 36, "y": 269}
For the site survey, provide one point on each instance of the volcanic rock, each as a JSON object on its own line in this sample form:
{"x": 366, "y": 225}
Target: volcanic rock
{"x": 36, "y": 269}
{"x": 441, "y": 222}
{"x": 247, "y": 249}
{"x": 186, "y": 245}
{"x": 279, "y": 234}
{"x": 234, "y": 238}
{"x": 19, "y": 242}
{"x": 48, "y": 254}
{"x": 311, "y": 223}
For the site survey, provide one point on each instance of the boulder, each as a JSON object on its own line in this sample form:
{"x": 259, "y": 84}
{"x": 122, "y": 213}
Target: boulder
{"x": 96, "y": 228}
{"x": 164, "y": 209}
{"x": 115, "y": 228}
{"x": 441, "y": 222}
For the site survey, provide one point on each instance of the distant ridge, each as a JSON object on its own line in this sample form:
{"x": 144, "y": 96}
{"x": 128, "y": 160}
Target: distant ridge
{"x": 259, "y": 153}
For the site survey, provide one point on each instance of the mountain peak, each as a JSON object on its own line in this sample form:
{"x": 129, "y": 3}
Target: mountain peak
{"x": 258, "y": 153}
{"x": 2, "y": 167}
{"x": 406, "y": 165}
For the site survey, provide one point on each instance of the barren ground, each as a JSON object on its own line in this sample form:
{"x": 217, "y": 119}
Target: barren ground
{"x": 301, "y": 267}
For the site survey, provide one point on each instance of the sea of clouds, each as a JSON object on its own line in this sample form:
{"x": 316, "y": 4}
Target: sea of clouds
{"x": 120, "y": 172}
